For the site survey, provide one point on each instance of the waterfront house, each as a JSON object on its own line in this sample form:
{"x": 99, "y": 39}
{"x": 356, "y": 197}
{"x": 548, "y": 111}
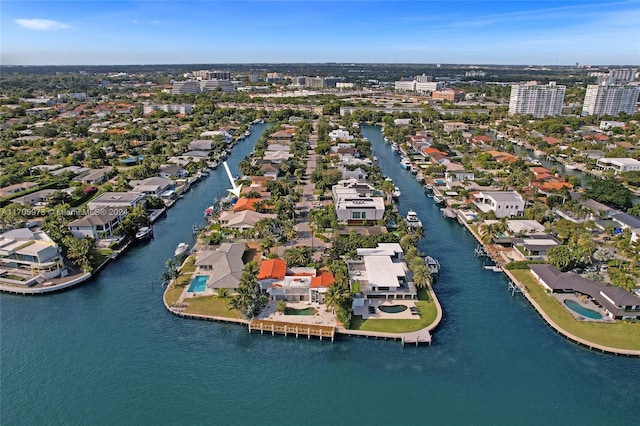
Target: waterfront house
{"x": 340, "y": 134}
{"x": 354, "y": 202}
{"x": 169, "y": 171}
{"x": 534, "y": 247}
{"x": 617, "y": 302}
{"x": 201, "y": 145}
{"x": 380, "y": 273}
{"x": 452, "y": 126}
{"x": 153, "y": 186}
{"x": 242, "y": 220}
{"x": 619, "y": 165}
{"x": 223, "y": 266}
{"x": 28, "y": 257}
{"x": 293, "y": 284}
{"x": 458, "y": 176}
{"x": 245, "y": 204}
{"x": 502, "y": 203}
{"x": 120, "y": 201}
{"x": 98, "y": 224}
{"x": 357, "y": 173}
{"x": 271, "y": 271}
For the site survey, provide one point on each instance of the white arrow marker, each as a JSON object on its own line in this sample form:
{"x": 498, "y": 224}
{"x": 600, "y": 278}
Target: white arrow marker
{"x": 236, "y": 189}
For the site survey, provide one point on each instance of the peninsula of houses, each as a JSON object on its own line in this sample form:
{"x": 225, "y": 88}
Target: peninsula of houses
{"x": 545, "y": 176}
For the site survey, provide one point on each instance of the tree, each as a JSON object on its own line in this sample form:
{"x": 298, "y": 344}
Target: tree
{"x": 610, "y": 192}
{"x": 422, "y": 277}
{"x": 560, "y": 257}
{"x": 224, "y": 295}
{"x": 81, "y": 252}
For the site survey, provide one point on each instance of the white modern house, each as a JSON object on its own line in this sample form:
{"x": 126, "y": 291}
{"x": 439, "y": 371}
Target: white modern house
{"x": 28, "y": 257}
{"x": 502, "y": 203}
{"x": 117, "y": 200}
{"x": 619, "y": 165}
{"x": 380, "y": 273}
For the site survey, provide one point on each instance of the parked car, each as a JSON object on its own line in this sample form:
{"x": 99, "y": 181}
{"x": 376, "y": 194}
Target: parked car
{"x": 591, "y": 268}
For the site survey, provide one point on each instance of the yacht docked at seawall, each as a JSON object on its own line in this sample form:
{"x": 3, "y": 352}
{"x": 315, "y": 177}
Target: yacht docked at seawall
{"x": 413, "y": 221}
{"x": 432, "y": 264}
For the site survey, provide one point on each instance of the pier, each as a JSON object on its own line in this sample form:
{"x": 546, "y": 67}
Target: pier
{"x": 292, "y": 329}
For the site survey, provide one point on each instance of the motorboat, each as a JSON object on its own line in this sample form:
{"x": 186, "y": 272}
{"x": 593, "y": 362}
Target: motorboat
{"x": 405, "y": 163}
{"x": 144, "y": 233}
{"x": 438, "y": 199}
{"x": 394, "y": 147}
{"x": 432, "y": 264}
{"x": 412, "y": 220}
{"x": 396, "y": 192}
{"x": 570, "y": 166}
{"x": 181, "y": 249}
{"x": 420, "y": 177}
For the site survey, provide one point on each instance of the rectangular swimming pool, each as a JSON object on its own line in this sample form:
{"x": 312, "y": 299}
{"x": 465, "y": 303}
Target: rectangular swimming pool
{"x": 199, "y": 284}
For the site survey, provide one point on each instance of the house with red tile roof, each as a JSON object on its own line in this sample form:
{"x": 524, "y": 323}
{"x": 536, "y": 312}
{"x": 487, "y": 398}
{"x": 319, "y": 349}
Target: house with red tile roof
{"x": 272, "y": 269}
{"x": 551, "y": 140}
{"x": 481, "y": 140}
{"x": 245, "y": 204}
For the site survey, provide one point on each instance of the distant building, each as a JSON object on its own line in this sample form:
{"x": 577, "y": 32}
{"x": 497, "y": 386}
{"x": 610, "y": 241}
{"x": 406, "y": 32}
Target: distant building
{"x": 321, "y": 82}
{"x": 537, "y": 100}
{"x": 213, "y": 84}
{"x": 179, "y": 108}
{"x": 475, "y": 73}
{"x": 211, "y": 75}
{"x": 610, "y": 100}
{"x": 28, "y": 257}
{"x": 187, "y": 87}
{"x": 449, "y": 95}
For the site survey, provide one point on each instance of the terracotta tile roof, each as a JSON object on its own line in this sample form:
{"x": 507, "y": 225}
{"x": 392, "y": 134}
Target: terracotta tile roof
{"x": 245, "y": 204}
{"x": 551, "y": 140}
{"x": 272, "y": 269}
{"x": 324, "y": 279}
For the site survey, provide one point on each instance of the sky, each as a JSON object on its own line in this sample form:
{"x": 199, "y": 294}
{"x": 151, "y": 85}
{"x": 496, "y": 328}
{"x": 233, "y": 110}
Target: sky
{"x": 87, "y": 32}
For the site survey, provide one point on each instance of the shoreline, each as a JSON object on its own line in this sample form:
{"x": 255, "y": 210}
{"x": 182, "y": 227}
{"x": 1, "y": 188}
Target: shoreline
{"x": 549, "y": 322}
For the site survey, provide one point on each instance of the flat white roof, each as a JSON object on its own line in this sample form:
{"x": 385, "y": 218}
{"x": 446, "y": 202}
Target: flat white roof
{"x": 382, "y": 272}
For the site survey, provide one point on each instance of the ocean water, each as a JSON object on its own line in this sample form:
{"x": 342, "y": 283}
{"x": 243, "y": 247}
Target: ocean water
{"x": 109, "y": 353}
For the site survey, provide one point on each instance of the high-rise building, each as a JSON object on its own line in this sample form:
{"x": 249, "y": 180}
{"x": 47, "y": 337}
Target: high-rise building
{"x": 607, "y": 99}
{"x": 211, "y": 75}
{"x": 537, "y": 100}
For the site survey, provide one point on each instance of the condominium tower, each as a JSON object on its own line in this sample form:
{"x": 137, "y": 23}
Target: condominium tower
{"x": 607, "y": 99}
{"x": 535, "y": 99}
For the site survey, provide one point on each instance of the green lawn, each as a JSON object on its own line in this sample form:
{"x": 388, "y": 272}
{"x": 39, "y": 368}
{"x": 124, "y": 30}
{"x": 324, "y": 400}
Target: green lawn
{"x": 622, "y": 334}
{"x": 175, "y": 290}
{"x": 427, "y": 311}
{"x": 102, "y": 254}
{"x": 210, "y": 305}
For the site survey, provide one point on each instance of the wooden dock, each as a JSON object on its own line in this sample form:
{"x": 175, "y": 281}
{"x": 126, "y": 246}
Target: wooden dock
{"x": 292, "y": 329}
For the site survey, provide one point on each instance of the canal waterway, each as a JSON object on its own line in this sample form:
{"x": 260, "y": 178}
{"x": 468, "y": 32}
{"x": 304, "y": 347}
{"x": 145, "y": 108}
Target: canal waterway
{"x": 108, "y": 352}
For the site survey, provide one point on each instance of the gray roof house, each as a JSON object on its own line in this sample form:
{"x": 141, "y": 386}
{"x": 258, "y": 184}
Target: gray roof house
{"x": 223, "y": 266}
{"x": 617, "y": 302}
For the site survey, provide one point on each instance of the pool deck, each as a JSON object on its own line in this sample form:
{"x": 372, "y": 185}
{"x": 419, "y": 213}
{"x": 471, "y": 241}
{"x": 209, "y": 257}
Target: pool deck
{"x": 585, "y": 304}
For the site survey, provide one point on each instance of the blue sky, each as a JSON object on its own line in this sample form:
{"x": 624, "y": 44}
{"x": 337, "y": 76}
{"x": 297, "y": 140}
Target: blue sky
{"x": 169, "y": 32}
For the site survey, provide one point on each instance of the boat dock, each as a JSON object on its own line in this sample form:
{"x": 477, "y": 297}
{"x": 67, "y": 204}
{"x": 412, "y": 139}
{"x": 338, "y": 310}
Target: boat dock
{"x": 291, "y": 329}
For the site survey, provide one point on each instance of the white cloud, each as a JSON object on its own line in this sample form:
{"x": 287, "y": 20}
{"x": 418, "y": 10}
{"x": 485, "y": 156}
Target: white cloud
{"x": 43, "y": 24}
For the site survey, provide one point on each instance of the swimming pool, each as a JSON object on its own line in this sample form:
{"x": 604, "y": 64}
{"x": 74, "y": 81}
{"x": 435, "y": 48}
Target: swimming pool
{"x": 305, "y": 311}
{"x": 441, "y": 182}
{"x": 392, "y": 309}
{"x": 579, "y": 309}
{"x": 199, "y": 284}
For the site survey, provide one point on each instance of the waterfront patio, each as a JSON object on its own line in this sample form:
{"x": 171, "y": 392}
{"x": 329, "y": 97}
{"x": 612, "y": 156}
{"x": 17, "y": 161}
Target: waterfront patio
{"x": 321, "y": 317}
{"x": 366, "y": 313}
{"x": 586, "y": 303}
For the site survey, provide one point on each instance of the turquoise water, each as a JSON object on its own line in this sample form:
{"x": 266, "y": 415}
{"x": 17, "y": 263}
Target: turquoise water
{"x": 579, "y": 309}
{"x": 393, "y": 309}
{"x": 198, "y": 284}
{"x": 109, "y": 353}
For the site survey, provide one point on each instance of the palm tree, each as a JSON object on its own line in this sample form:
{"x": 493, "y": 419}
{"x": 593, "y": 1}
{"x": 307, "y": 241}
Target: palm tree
{"x": 332, "y": 297}
{"x": 422, "y": 278}
{"x": 224, "y": 295}
{"x": 486, "y": 233}
{"x": 266, "y": 244}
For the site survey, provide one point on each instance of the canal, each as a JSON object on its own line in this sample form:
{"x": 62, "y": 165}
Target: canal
{"x": 109, "y": 353}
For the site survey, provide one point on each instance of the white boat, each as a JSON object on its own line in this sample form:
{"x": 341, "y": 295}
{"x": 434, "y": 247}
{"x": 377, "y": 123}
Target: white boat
{"x": 432, "y": 264}
{"x": 570, "y": 166}
{"x": 405, "y": 163}
{"x": 438, "y": 199}
{"x": 144, "y": 232}
{"x": 394, "y": 147}
{"x": 419, "y": 177}
{"x": 412, "y": 220}
{"x": 396, "y": 192}
{"x": 181, "y": 249}
{"x": 247, "y": 133}
{"x": 387, "y": 140}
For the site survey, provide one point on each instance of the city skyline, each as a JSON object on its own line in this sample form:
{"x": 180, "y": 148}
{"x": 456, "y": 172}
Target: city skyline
{"x": 167, "y": 32}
